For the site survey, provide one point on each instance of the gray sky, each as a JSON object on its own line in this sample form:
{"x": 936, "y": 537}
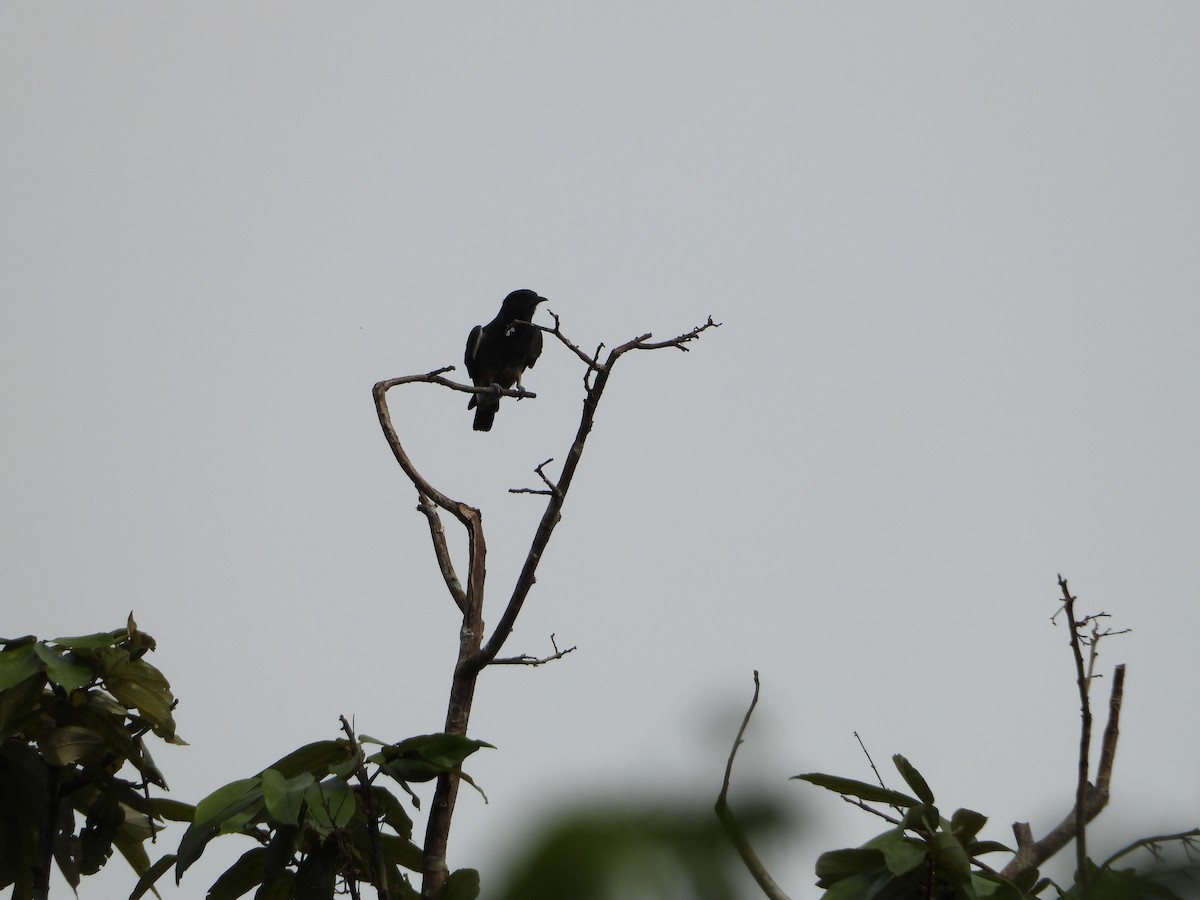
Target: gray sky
{"x": 954, "y": 248}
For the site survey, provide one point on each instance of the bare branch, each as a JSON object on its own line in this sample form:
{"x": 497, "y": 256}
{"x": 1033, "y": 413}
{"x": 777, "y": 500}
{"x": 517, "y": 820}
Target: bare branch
{"x": 753, "y": 864}
{"x": 556, "y": 331}
{"x": 473, "y": 654}
{"x": 854, "y": 801}
{"x": 1082, "y": 785}
{"x": 867, "y": 754}
{"x": 553, "y": 513}
{"x": 378, "y": 868}
{"x": 551, "y": 488}
{"x": 526, "y": 659}
{"x": 1030, "y": 853}
{"x": 438, "y": 535}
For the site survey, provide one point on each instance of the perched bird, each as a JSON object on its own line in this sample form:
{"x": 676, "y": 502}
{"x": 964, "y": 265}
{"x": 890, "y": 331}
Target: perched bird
{"x": 499, "y": 352}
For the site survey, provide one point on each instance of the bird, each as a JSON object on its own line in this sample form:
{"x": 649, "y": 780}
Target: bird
{"x": 499, "y": 352}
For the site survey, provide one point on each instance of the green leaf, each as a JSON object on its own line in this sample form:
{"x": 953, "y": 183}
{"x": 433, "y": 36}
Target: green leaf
{"x": 835, "y": 865}
{"x": 241, "y": 877}
{"x": 65, "y": 670}
{"x": 331, "y": 805}
{"x": 17, "y": 664}
{"x": 281, "y": 887}
{"x": 212, "y": 814}
{"x": 978, "y": 848}
{"x": 284, "y": 796}
{"x": 140, "y": 686}
{"x": 226, "y": 800}
{"x": 91, "y": 641}
{"x": 402, "y": 852}
{"x": 70, "y": 744}
{"x": 900, "y": 854}
{"x": 913, "y": 779}
{"x": 965, "y": 823}
{"x": 172, "y": 810}
{"x": 315, "y": 758}
{"x": 17, "y": 703}
{"x": 151, "y": 875}
{"x": 462, "y": 884}
{"x": 860, "y": 789}
{"x": 442, "y": 752}
{"x": 951, "y": 857}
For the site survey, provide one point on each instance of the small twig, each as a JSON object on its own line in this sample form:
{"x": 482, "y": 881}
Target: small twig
{"x": 526, "y": 659}
{"x": 1150, "y": 843}
{"x": 854, "y": 801}
{"x": 753, "y": 864}
{"x": 556, "y": 331}
{"x": 551, "y": 488}
{"x": 867, "y": 754}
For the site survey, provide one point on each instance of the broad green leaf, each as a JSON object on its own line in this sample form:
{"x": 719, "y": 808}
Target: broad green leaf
{"x": 402, "y": 852}
{"x": 900, "y": 854}
{"x": 17, "y": 703}
{"x": 70, "y": 744}
{"x": 835, "y": 865}
{"x": 151, "y": 875}
{"x": 951, "y": 857}
{"x": 913, "y": 779}
{"x": 18, "y": 664}
{"x": 65, "y": 670}
{"x": 226, "y": 800}
{"x": 331, "y": 804}
{"x": 172, "y": 810}
{"x": 91, "y": 641}
{"x": 461, "y": 884}
{"x": 442, "y": 751}
{"x": 965, "y": 823}
{"x": 139, "y": 685}
{"x": 315, "y": 758}
{"x": 921, "y": 817}
{"x": 978, "y": 848}
{"x": 284, "y": 796}
{"x": 240, "y": 878}
{"x": 861, "y": 789}
{"x": 388, "y": 806}
{"x": 212, "y": 813}
{"x": 281, "y": 887}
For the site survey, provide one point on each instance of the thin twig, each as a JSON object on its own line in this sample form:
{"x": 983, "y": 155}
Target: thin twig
{"x": 526, "y": 659}
{"x": 867, "y": 754}
{"x": 753, "y": 864}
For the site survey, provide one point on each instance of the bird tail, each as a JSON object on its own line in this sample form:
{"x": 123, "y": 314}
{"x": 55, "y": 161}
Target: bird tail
{"x": 485, "y": 412}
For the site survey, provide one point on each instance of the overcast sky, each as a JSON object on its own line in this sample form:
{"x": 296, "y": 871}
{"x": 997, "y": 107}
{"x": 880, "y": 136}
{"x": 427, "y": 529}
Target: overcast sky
{"x": 956, "y": 251}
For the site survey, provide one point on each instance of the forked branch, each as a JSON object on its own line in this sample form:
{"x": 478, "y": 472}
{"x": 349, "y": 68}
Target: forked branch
{"x": 473, "y": 654}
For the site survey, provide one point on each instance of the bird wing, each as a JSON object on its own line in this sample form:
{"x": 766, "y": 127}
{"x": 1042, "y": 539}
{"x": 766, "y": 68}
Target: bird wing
{"x": 535, "y": 347}
{"x": 469, "y": 358}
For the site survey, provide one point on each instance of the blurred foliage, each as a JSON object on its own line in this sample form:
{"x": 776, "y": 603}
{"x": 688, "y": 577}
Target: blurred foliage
{"x": 321, "y": 824}
{"x": 74, "y": 712}
{"x": 634, "y": 851}
{"x": 926, "y": 856}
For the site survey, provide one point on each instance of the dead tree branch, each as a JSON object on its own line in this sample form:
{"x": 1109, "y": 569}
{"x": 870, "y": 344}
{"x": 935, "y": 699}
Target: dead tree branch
{"x": 473, "y": 654}
{"x": 730, "y": 823}
{"x": 526, "y": 659}
{"x": 1089, "y": 798}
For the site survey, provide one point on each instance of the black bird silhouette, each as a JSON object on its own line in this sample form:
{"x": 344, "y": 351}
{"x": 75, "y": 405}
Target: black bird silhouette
{"x": 499, "y": 352}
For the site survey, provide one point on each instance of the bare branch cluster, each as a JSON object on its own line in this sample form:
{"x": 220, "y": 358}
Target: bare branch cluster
{"x": 475, "y": 653}
{"x": 1089, "y": 798}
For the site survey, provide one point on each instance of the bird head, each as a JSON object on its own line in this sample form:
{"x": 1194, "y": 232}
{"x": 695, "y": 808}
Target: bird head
{"x": 522, "y": 304}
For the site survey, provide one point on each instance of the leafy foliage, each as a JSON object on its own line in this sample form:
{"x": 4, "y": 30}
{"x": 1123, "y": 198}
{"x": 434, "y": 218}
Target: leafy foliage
{"x": 925, "y": 856}
{"x": 318, "y": 816}
{"x": 74, "y": 712}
